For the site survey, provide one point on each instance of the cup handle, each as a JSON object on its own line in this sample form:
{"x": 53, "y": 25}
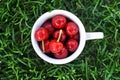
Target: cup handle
{"x": 94, "y": 35}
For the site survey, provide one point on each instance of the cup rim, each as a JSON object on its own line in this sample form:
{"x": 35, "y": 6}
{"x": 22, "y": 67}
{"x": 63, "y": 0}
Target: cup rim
{"x": 49, "y": 15}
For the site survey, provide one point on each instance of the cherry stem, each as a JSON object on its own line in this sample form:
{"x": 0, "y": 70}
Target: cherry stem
{"x": 60, "y": 33}
{"x": 43, "y": 47}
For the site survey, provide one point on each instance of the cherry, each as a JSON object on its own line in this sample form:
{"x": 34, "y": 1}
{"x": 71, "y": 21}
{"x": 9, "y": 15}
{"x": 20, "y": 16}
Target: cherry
{"x": 49, "y": 27}
{"x": 62, "y": 54}
{"x": 76, "y": 37}
{"x": 55, "y": 46}
{"x": 71, "y": 28}
{"x": 56, "y": 35}
{"x": 41, "y": 34}
{"x": 46, "y": 46}
{"x": 72, "y": 45}
{"x": 58, "y": 21}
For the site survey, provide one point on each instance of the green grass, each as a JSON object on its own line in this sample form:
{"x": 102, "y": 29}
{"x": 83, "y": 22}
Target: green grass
{"x": 100, "y": 59}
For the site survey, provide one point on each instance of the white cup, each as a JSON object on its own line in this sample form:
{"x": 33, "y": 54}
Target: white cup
{"x": 83, "y": 36}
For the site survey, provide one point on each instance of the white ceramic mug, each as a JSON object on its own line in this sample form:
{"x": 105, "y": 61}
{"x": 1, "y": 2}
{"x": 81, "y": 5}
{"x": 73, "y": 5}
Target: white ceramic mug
{"x": 83, "y": 36}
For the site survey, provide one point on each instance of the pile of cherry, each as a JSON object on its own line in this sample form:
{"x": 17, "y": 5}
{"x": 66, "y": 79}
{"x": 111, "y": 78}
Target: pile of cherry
{"x": 58, "y": 37}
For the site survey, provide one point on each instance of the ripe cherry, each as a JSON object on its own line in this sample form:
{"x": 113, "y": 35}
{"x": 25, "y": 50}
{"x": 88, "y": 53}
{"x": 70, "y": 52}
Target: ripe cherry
{"x": 41, "y": 34}
{"x": 49, "y": 27}
{"x": 71, "y": 28}
{"x": 62, "y": 54}
{"x": 58, "y": 21}
{"x": 76, "y": 37}
{"x": 55, "y": 46}
{"x": 46, "y": 46}
{"x": 56, "y": 35}
{"x": 72, "y": 45}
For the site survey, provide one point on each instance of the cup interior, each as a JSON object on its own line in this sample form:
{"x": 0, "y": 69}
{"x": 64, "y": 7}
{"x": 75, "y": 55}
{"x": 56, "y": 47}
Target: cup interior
{"x": 49, "y": 15}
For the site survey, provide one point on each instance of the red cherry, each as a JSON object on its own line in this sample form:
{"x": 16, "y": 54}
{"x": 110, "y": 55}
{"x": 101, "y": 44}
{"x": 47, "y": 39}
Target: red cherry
{"x": 62, "y": 54}
{"x": 58, "y": 21}
{"x": 55, "y": 46}
{"x": 41, "y": 34}
{"x": 47, "y": 50}
{"x": 46, "y": 46}
{"x": 76, "y": 37}
{"x": 49, "y": 27}
{"x": 56, "y": 35}
{"x": 71, "y": 28}
{"x": 72, "y": 45}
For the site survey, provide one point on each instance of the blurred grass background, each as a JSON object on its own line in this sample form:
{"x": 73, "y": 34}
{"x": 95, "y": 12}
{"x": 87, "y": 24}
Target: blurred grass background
{"x": 100, "y": 59}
